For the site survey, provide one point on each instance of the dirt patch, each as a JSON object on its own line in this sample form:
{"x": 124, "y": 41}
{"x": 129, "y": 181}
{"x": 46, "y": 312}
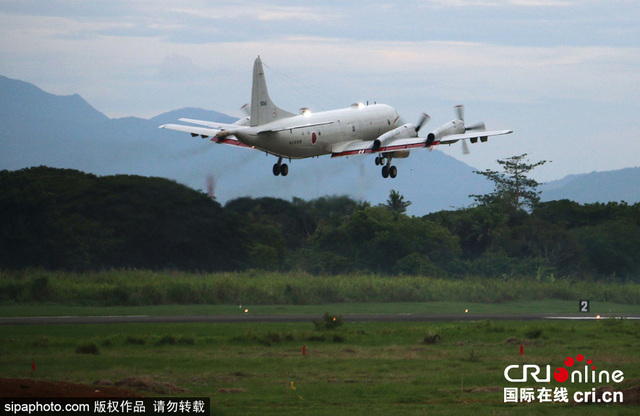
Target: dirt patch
{"x": 631, "y": 394}
{"x": 483, "y": 389}
{"x": 231, "y": 391}
{"x": 516, "y": 341}
{"x": 145, "y": 384}
{"x": 15, "y": 387}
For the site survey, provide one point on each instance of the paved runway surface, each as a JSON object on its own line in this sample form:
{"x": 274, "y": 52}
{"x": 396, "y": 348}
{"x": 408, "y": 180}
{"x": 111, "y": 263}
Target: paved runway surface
{"x": 52, "y": 320}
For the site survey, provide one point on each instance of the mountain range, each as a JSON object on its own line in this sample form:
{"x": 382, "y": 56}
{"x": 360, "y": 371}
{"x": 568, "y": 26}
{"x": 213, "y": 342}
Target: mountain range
{"x": 39, "y": 128}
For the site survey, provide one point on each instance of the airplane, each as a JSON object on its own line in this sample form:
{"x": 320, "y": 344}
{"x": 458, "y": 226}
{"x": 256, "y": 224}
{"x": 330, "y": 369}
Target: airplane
{"x": 357, "y": 130}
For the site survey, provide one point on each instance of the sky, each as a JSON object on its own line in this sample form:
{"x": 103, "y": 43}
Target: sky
{"x": 564, "y": 75}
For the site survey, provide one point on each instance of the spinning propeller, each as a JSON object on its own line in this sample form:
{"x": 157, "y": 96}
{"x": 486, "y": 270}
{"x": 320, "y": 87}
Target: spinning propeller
{"x": 424, "y": 118}
{"x": 459, "y": 109}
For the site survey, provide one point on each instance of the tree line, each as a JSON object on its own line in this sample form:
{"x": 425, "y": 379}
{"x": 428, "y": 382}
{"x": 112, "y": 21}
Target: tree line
{"x": 61, "y": 219}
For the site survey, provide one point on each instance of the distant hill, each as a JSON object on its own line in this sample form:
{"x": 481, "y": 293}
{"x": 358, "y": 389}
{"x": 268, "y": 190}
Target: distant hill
{"x": 38, "y": 128}
{"x": 25, "y": 105}
{"x": 616, "y": 185}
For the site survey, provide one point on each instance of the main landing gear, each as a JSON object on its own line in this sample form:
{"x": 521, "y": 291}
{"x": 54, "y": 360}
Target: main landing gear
{"x": 280, "y": 168}
{"x": 387, "y": 169}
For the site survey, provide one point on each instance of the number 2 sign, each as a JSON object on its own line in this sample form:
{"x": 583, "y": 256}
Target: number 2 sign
{"x": 584, "y": 306}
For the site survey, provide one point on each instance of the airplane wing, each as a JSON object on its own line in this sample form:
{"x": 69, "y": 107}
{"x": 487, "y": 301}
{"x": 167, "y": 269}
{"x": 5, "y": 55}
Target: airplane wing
{"x": 476, "y": 135}
{"x": 360, "y": 147}
{"x": 300, "y": 126}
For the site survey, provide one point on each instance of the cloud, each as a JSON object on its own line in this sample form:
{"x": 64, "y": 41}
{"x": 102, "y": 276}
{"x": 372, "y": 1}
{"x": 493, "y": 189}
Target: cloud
{"x": 501, "y": 3}
{"x": 176, "y": 67}
{"x": 286, "y": 13}
{"x": 530, "y": 65}
{"x": 541, "y": 3}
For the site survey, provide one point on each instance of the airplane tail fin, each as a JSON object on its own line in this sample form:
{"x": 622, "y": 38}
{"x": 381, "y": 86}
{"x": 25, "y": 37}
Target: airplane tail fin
{"x": 263, "y": 110}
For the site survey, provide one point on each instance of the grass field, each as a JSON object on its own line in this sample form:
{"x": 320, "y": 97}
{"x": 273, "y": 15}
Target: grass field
{"x": 359, "y": 368}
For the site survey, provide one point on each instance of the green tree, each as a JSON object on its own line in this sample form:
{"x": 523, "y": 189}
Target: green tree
{"x": 65, "y": 219}
{"x": 513, "y": 188}
{"x": 396, "y": 202}
{"x": 381, "y": 241}
{"x": 475, "y": 227}
{"x": 330, "y": 210}
{"x": 611, "y": 248}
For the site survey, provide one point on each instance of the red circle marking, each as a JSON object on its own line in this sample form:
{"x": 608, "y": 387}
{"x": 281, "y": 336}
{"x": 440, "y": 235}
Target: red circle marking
{"x": 561, "y": 375}
{"x": 580, "y": 357}
{"x": 568, "y": 361}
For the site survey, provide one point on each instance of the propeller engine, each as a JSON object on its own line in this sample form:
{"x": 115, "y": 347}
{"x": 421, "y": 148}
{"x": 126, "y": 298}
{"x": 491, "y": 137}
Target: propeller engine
{"x": 405, "y": 131}
{"x": 454, "y": 127}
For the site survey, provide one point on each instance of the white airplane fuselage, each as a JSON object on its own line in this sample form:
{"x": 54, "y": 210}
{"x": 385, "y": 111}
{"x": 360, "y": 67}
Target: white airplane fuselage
{"x": 358, "y": 122}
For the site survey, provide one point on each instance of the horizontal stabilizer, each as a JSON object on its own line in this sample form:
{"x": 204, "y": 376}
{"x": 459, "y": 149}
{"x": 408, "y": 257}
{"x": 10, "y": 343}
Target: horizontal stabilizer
{"x": 197, "y": 131}
{"x": 211, "y": 124}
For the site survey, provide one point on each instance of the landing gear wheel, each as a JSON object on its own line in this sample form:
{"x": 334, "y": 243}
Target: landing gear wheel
{"x": 385, "y": 171}
{"x": 393, "y": 171}
{"x": 378, "y": 160}
{"x": 284, "y": 169}
{"x": 276, "y": 169}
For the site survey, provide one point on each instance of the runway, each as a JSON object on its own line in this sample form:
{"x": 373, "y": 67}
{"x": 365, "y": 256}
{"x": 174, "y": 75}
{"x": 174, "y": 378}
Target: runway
{"x": 178, "y": 319}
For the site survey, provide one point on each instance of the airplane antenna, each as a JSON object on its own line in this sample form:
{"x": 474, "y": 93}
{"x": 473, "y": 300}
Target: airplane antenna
{"x": 289, "y": 81}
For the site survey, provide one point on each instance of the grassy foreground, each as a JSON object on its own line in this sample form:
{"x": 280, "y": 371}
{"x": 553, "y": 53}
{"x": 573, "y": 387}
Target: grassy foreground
{"x": 551, "y": 306}
{"x": 141, "y": 288}
{"x": 452, "y": 368}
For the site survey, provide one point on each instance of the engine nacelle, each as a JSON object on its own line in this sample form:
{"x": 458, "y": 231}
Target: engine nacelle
{"x": 403, "y": 132}
{"x": 452, "y": 127}
{"x": 431, "y": 137}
